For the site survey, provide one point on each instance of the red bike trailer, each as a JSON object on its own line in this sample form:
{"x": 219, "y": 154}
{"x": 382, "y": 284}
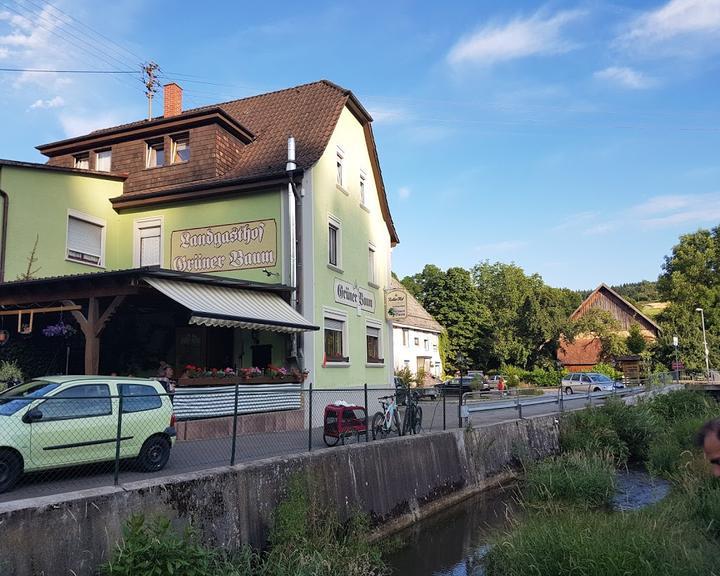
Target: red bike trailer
{"x": 343, "y": 421}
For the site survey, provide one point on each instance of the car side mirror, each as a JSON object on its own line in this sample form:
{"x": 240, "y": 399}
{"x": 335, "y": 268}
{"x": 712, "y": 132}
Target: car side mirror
{"x": 33, "y": 415}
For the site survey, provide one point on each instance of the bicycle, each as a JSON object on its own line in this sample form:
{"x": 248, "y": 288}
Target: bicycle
{"x": 412, "y": 421}
{"x": 386, "y": 421}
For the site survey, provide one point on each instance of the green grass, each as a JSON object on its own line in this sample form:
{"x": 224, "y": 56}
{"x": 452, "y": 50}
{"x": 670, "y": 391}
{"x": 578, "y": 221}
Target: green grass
{"x": 604, "y": 544}
{"x": 561, "y": 536}
{"x": 305, "y": 540}
{"x": 575, "y": 479}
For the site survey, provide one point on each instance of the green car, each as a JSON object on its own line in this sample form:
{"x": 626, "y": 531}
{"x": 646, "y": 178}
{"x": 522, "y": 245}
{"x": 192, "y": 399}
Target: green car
{"x": 62, "y": 421}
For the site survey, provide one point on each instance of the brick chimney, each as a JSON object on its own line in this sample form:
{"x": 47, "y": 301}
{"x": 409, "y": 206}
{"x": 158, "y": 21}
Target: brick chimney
{"x": 172, "y": 96}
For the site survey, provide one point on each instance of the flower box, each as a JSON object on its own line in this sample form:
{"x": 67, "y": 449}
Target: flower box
{"x": 232, "y": 380}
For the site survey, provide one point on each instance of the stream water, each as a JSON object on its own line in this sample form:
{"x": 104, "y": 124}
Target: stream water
{"x": 455, "y": 542}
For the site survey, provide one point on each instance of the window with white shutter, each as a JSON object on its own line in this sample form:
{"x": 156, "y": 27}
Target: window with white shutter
{"x": 85, "y": 239}
{"x": 147, "y": 245}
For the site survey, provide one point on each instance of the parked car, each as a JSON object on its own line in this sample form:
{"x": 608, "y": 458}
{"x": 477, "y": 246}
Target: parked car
{"x": 592, "y": 381}
{"x": 63, "y": 421}
{"x": 423, "y": 392}
{"x": 455, "y": 386}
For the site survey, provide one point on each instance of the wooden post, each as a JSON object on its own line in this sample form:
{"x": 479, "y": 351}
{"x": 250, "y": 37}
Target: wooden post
{"x": 91, "y": 328}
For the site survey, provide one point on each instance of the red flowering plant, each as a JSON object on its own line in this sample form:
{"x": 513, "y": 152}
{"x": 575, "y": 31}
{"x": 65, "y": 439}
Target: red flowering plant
{"x": 192, "y": 371}
{"x": 248, "y": 373}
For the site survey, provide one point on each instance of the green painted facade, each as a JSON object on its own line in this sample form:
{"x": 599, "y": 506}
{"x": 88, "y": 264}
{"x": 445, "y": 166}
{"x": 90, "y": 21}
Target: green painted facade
{"x": 40, "y": 200}
{"x": 361, "y": 224}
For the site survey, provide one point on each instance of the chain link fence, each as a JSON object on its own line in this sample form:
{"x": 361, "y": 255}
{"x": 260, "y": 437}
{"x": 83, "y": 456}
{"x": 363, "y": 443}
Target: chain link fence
{"x": 92, "y": 433}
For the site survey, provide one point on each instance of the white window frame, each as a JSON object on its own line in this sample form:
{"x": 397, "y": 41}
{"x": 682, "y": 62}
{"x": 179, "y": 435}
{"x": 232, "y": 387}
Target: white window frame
{"x": 370, "y": 323}
{"x": 78, "y": 158}
{"x": 406, "y": 337}
{"x": 184, "y": 137}
{"x": 340, "y": 169}
{"x": 76, "y": 214}
{"x": 334, "y": 221}
{"x": 140, "y": 224}
{"x": 151, "y": 153}
{"x": 363, "y": 189}
{"x": 339, "y": 316}
{"x": 372, "y": 266}
{"x": 97, "y": 158}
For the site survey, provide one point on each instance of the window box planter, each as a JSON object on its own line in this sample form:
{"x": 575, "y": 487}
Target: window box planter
{"x": 232, "y": 380}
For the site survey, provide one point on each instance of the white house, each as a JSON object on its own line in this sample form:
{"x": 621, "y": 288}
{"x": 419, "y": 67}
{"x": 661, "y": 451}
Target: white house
{"x": 416, "y": 338}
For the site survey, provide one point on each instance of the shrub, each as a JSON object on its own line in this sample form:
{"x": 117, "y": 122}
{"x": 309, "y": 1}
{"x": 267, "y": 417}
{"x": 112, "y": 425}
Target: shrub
{"x": 576, "y": 478}
{"x": 592, "y": 431}
{"x": 623, "y": 431}
{"x": 549, "y": 378}
{"x": 306, "y": 539}
{"x": 635, "y": 426}
{"x": 682, "y": 404}
{"x": 405, "y": 375}
{"x": 9, "y": 370}
{"x": 608, "y": 370}
{"x": 513, "y": 375}
{"x": 154, "y": 549}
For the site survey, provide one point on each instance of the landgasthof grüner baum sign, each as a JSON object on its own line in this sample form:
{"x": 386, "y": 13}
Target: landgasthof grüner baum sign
{"x": 239, "y": 246}
{"x": 354, "y": 296}
{"x": 396, "y": 304}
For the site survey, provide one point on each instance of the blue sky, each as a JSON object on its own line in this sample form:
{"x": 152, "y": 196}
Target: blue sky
{"x": 576, "y": 139}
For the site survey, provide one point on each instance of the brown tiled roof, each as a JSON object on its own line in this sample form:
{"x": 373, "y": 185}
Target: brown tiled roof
{"x": 78, "y": 171}
{"x": 417, "y": 316}
{"x": 580, "y": 352}
{"x": 308, "y": 112}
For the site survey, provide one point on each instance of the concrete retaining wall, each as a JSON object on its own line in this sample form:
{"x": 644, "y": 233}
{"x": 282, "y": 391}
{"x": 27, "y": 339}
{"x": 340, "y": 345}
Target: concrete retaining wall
{"x": 395, "y": 481}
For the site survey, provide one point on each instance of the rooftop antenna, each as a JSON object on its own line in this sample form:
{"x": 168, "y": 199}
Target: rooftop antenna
{"x": 149, "y": 72}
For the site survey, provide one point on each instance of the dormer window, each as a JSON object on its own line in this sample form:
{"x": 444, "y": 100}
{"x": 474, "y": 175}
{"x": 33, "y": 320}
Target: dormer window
{"x": 103, "y": 160}
{"x": 180, "y": 148}
{"x": 155, "y": 156}
{"x": 82, "y": 161}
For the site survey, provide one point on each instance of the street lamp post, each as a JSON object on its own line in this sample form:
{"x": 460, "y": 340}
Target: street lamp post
{"x": 707, "y": 359}
{"x": 677, "y": 362}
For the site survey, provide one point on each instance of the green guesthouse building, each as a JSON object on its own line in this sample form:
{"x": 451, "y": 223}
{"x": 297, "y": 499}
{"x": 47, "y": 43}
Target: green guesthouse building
{"x": 251, "y": 234}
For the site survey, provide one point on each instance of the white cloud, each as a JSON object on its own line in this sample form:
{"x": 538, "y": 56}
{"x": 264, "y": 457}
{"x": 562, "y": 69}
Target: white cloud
{"x": 626, "y": 77}
{"x": 678, "y": 209}
{"x": 404, "y": 193}
{"x": 520, "y": 38}
{"x": 55, "y": 102}
{"x": 681, "y": 26}
{"x": 83, "y": 124}
{"x": 387, "y": 114}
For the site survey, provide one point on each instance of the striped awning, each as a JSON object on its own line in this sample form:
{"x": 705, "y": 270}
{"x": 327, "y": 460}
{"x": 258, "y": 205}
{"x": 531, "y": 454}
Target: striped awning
{"x": 213, "y": 305}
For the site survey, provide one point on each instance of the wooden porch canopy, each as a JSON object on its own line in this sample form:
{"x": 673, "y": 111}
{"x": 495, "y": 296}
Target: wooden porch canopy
{"x": 81, "y": 296}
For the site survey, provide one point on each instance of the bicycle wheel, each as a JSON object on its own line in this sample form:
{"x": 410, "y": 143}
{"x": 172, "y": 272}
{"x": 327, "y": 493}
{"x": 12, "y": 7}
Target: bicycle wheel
{"x": 330, "y": 440}
{"x": 417, "y": 421}
{"x": 395, "y": 426}
{"x": 378, "y": 426}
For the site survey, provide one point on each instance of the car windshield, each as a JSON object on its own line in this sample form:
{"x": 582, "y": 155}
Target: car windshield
{"x": 602, "y": 379}
{"x": 16, "y": 398}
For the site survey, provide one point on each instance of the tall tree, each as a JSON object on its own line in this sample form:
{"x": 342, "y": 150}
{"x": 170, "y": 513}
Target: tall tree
{"x": 527, "y": 315}
{"x": 453, "y": 301}
{"x": 690, "y": 280}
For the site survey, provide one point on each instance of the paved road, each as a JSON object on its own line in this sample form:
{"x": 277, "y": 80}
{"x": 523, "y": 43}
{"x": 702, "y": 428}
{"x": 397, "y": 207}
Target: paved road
{"x": 197, "y": 455}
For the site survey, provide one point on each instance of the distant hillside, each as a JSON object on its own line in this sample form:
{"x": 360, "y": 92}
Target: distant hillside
{"x": 639, "y": 292}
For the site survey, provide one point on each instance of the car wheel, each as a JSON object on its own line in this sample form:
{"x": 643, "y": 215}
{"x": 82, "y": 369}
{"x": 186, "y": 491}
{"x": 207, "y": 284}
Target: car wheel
{"x": 10, "y": 469}
{"x": 154, "y": 454}
{"x": 596, "y": 390}
{"x": 568, "y": 390}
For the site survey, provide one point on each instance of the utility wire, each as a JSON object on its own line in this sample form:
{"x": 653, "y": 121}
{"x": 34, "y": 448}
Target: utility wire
{"x": 92, "y": 30}
{"x": 69, "y": 71}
